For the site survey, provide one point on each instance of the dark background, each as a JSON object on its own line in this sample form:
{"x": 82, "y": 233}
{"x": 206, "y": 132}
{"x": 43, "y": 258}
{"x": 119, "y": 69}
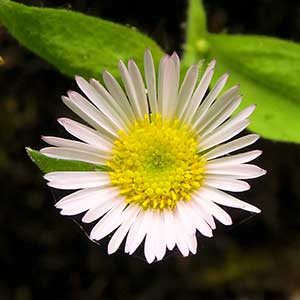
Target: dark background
{"x": 46, "y": 256}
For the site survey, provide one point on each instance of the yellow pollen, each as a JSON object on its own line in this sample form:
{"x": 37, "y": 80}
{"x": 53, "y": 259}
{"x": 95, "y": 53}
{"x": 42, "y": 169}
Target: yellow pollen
{"x": 156, "y": 164}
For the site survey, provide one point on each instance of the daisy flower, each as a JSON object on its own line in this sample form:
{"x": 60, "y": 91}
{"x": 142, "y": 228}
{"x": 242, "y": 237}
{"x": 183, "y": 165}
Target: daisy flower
{"x": 167, "y": 151}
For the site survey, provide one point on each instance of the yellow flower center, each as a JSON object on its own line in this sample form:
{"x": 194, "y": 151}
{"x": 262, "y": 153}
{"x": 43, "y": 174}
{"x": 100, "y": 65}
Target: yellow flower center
{"x": 156, "y": 164}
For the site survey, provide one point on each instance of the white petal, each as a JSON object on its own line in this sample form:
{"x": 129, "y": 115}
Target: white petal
{"x": 186, "y": 89}
{"x": 231, "y": 123}
{"x": 131, "y": 93}
{"x": 74, "y": 154}
{"x": 241, "y": 116}
{"x": 169, "y": 89}
{"x": 200, "y": 112}
{"x": 219, "y": 213}
{"x": 86, "y": 134}
{"x": 150, "y": 239}
{"x": 97, "y": 97}
{"x": 226, "y": 184}
{"x": 176, "y": 61}
{"x": 200, "y": 210}
{"x": 133, "y": 240}
{"x": 118, "y": 94}
{"x": 104, "y": 124}
{"x": 119, "y": 235}
{"x": 90, "y": 196}
{"x": 138, "y": 231}
{"x": 84, "y": 201}
{"x": 109, "y": 222}
{"x": 86, "y": 117}
{"x": 150, "y": 78}
{"x": 98, "y": 211}
{"x": 234, "y": 159}
{"x": 222, "y": 134}
{"x": 73, "y": 211}
{"x": 208, "y": 125}
{"x": 192, "y": 243}
{"x": 61, "y": 142}
{"x": 199, "y": 93}
{"x": 77, "y": 208}
{"x": 244, "y": 114}
{"x": 172, "y": 84}
{"x": 160, "y": 237}
{"x": 226, "y": 199}
{"x": 209, "y": 112}
{"x": 198, "y": 220}
{"x": 232, "y": 146}
{"x": 160, "y": 82}
{"x": 181, "y": 241}
{"x": 113, "y": 105}
{"x": 185, "y": 218}
{"x": 170, "y": 231}
{"x": 76, "y": 176}
{"x": 139, "y": 86}
{"x": 244, "y": 171}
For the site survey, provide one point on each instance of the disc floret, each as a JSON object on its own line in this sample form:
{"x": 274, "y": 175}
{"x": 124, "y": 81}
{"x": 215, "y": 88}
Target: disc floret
{"x": 156, "y": 164}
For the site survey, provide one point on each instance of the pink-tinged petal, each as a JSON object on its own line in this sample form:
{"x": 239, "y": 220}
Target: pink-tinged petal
{"x": 132, "y": 212}
{"x": 226, "y": 199}
{"x": 150, "y": 78}
{"x": 77, "y": 180}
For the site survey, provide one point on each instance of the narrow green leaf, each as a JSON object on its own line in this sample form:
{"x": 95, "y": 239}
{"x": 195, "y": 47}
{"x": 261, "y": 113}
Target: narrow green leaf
{"x": 48, "y": 164}
{"x": 196, "y": 44}
{"x": 73, "y": 42}
{"x": 268, "y": 70}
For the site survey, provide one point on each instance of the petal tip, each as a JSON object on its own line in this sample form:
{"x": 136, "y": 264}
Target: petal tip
{"x": 105, "y": 74}
{"x": 212, "y": 63}
{"x": 64, "y": 98}
{"x": 259, "y": 152}
{"x": 209, "y": 234}
{"x": 227, "y": 222}
{"x": 256, "y": 210}
{"x": 110, "y": 250}
{"x": 85, "y": 219}
{"x": 92, "y": 235}
{"x": 121, "y": 63}
{"x": 78, "y": 78}
{"x": 61, "y": 121}
{"x": 247, "y": 186}
{"x": 150, "y": 260}
{"x": 175, "y": 55}
{"x": 46, "y": 176}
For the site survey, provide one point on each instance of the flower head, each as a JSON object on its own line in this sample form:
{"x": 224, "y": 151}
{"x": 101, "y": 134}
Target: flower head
{"x": 166, "y": 150}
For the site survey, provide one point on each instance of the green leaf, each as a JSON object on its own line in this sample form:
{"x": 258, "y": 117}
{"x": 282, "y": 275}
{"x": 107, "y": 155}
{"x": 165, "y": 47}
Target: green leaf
{"x": 196, "y": 44}
{"x": 48, "y": 164}
{"x": 268, "y": 70}
{"x": 73, "y": 42}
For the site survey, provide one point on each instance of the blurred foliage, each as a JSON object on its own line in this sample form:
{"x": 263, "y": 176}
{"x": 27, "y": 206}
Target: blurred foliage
{"x": 267, "y": 68}
{"x": 195, "y": 45}
{"x": 46, "y": 256}
{"x": 268, "y": 71}
{"x": 73, "y": 42}
{"x": 47, "y": 164}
